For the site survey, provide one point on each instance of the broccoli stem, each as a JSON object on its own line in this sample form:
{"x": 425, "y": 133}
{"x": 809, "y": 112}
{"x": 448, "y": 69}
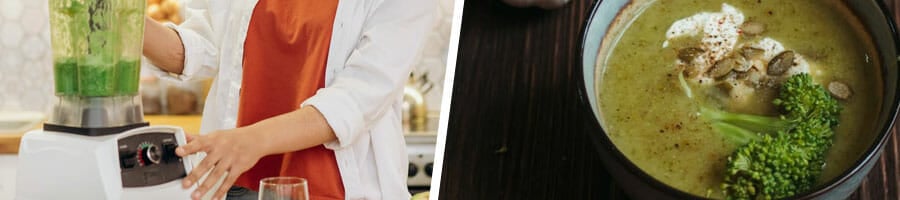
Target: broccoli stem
{"x": 735, "y": 134}
{"x": 743, "y": 128}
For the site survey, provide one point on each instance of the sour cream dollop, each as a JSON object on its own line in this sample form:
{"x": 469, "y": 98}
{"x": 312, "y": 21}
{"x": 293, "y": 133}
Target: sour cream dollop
{"x": 721, "y": 35}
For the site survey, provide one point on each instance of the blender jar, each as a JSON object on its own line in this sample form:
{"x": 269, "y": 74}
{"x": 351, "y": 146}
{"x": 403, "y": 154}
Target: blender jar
{"x": 130, "y": 16}
{"x": 97, "y": 47}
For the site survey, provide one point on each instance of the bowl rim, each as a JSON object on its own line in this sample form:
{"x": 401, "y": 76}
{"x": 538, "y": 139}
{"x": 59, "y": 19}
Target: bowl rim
{"x": 602, "y": 141}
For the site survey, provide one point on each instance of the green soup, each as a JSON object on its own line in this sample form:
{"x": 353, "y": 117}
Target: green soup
{"x": 649, "y": 118}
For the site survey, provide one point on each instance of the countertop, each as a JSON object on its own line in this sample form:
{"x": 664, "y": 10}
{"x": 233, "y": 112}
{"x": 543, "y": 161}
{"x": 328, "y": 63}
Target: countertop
{"x": 9, "y": 143}
{"x": 513, "y": 63}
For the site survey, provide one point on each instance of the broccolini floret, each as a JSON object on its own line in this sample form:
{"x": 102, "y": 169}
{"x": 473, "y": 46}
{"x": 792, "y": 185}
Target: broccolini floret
{"x": 780, "y": 156}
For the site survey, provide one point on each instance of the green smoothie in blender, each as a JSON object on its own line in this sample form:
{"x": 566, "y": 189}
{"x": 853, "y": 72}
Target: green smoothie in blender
{"x": 95, "y": 53}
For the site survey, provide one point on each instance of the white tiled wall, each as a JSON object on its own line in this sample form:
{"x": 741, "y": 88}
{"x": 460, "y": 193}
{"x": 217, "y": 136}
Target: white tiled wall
{"x": 26, "y": 73}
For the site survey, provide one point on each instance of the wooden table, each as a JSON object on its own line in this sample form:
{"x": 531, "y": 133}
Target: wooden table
{"x": 517, "y": 128}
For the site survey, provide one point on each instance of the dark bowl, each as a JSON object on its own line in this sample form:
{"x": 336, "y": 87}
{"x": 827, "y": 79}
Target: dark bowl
{"x": 640, "y": 185}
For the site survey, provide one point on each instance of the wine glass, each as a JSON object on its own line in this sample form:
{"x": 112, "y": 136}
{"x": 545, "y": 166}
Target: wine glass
{"x": 283, "y": 188}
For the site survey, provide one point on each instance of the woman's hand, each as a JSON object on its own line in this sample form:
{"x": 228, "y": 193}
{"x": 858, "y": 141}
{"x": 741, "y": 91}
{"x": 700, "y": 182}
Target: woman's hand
{"x": 228, "y": 153}
{"x": 235, "y": 151}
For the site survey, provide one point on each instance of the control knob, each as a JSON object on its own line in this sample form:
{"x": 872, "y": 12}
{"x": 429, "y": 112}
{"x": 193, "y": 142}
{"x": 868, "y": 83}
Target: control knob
{"x": 149, "y": 153}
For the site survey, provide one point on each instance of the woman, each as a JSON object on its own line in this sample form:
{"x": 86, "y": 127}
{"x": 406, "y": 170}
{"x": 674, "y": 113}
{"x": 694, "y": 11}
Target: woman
{"x": 314, "y": 88}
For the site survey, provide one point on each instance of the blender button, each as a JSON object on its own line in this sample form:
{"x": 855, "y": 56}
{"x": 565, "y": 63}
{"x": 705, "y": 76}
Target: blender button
{"x": 129, "y": 163}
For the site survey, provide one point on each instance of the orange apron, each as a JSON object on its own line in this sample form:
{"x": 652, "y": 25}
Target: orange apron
{"x": 284, "y": 64}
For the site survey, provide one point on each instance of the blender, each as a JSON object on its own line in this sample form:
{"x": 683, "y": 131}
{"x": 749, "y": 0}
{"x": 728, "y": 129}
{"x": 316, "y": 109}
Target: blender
{"x": 96, "y": 144}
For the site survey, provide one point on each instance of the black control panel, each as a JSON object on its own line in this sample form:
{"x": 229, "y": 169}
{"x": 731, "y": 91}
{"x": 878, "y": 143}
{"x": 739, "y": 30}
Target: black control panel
{"x": 149, "y": 159}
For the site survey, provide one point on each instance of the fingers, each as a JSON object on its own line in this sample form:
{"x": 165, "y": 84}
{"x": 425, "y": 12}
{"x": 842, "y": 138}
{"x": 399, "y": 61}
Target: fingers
{"x": 223, "y": 162}
{"x": 217, "y": 174}
{"x": 208, "y": 163}
{"x": 223, "y": 189}
{"x": 188, "y": 137}
{"x": 191, "y": 147}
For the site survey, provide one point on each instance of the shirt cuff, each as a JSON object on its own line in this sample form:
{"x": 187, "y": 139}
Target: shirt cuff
{"x": 193, "y": 51}
{"x": 341, "y": 113}
{"x": 162, "y": 74}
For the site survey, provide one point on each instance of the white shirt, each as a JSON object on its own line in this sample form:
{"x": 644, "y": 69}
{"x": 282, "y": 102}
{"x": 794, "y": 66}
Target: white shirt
{"x": 374, "y": 44}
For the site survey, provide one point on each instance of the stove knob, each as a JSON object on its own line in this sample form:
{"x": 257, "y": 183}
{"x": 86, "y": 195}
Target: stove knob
{"x": 429, "y": 168}
{"x": 152, "y": 154}
{"x": 412, "y": 170}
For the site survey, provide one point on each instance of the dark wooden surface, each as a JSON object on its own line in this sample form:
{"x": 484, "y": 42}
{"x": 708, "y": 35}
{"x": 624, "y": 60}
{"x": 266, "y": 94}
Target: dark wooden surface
{"x": 517, "y": 128}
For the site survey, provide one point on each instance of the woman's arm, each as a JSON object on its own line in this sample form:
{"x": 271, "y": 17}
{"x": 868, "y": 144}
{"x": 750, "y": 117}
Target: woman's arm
{"x": 293, "y": 131}
{"x": 163, "y": 47}
{"x": 189, "y": 49}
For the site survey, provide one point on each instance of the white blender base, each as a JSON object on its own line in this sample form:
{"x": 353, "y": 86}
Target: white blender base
{"x": 56, "y": 165}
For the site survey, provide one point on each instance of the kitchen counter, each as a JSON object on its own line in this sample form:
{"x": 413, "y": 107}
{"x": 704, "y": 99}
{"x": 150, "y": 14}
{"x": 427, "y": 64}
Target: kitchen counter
{"x": 9, "y": 143}
{"x": 190, "y": 123}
